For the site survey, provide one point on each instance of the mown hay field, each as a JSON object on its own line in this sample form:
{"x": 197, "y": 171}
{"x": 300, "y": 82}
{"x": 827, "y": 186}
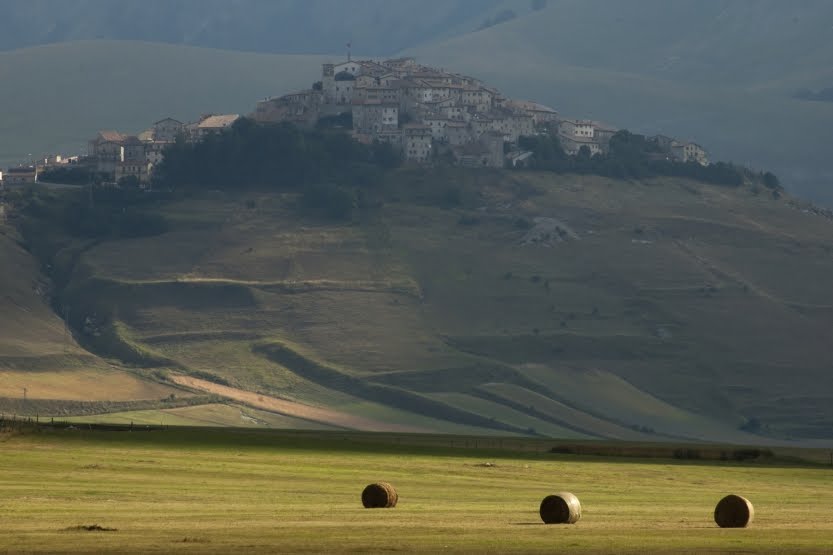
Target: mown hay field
{"x": 209, "y": 491}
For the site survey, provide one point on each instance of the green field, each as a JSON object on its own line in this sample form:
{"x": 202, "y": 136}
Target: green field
{"x": 202, "y": 491}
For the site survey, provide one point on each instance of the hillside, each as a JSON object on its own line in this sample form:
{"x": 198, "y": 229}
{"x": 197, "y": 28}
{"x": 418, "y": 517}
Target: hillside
{"x": 501, "y": 302}
{"x": 37, "y": 352}
{"x": 376, "y": 27}
{"x": 63, "y": 94}
{"x": 721, "y": 73}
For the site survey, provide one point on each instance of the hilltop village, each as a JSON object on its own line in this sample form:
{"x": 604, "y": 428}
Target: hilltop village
{"x": 423, "y": 112}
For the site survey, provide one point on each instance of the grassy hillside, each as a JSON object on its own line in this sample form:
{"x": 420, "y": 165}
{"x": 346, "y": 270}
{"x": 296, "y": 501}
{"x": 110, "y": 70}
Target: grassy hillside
{"x": 661, "y": 309}
{"x": 58, "y": 96}
{"x": 720, "y": 73}
{"x": 378, "y": 27}
{"x": 38, "y": 353}
{"x": 208, "y": 491}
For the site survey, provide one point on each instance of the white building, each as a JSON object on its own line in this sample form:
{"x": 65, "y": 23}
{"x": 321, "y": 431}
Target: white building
{"x": 575, "y": 134}
{"x": 576, "y": 129}
{"x": 107, "y": 149}
{"x": 214, "y": 124}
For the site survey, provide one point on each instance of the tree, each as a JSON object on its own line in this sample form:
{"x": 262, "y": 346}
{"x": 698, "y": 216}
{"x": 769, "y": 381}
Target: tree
{"x": 771, "y": 181}
{"x": 129, "y": 181}
{"x": 328, "y": 201}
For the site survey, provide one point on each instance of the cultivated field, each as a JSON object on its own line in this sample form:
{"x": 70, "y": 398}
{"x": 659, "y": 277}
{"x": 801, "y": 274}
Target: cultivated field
{"x": 663, "y": 310}
{"x": 203, "y": 491}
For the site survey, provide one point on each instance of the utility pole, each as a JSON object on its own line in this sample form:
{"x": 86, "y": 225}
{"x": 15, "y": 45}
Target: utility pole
{"x": 24, "y": 400}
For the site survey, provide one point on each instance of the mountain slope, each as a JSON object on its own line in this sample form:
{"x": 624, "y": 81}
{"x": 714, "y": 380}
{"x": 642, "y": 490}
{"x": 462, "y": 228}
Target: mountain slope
{"x": 376, "y": 27}
{"x": 38, "y": 354}
{"x": 663, "y": 309}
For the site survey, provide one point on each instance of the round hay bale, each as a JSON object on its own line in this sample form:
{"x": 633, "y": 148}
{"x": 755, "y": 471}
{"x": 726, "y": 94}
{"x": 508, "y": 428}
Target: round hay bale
{"x": 380, "y": 495}
{"x": 734, "y": 511}
{"x": 561, "y": 508}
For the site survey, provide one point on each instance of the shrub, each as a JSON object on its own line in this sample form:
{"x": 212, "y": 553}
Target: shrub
{"x": 328, "y": 201}
{"x": 469, "y": 220}
{"x": 686, "y": 454}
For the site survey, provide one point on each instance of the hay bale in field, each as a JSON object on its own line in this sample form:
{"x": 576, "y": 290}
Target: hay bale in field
{"x": 380, "y": 495}
{"x": 561, "y": 508}
{"x": 734, "y": 511}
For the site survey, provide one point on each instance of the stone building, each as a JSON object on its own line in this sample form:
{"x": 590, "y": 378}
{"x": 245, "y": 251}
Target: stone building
{"x": 402, "y": 102}
{"x": 107, "y": 150}
{"x": 213, "y": 124}
{"x": 374, "y": 116}
{"x": 21, "y": 175}
{"x": 416, "y": 142}
{"x": 689, "y": 152}
{"x": 302, "y": 108}
{"x": 167, "y": 130}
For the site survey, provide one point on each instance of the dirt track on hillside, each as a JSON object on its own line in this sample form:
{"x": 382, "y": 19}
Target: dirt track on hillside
{"x": 295, "y": 409}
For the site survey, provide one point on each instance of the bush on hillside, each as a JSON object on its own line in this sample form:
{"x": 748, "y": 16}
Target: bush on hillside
{"x": 68, "y": 175}
{"x": 272, "y": 156}
{"x": 630, "y": 156}
{"x": 328, "y": 201}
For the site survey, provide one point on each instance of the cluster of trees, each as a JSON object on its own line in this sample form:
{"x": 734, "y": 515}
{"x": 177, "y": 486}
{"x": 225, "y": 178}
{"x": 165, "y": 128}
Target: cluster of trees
{"x": 333, "y": 173}
{"x": 280, "y": 157}
{"x": 633, "y": 156}
{"x": 325, "y": 165}
{"x": 97, "y": 213}
{"x": 67, "y": 175}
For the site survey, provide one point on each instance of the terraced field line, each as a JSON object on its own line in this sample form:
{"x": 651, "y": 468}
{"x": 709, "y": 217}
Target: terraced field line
{"x": 296, "y": 409}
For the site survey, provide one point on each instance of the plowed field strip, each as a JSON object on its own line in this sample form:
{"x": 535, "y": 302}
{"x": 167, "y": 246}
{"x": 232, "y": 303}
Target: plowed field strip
{"x": 295, "y": 409}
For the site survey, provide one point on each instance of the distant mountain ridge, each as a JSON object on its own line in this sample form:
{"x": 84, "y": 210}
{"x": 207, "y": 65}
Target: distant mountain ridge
{"x": 376, "y": 27}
